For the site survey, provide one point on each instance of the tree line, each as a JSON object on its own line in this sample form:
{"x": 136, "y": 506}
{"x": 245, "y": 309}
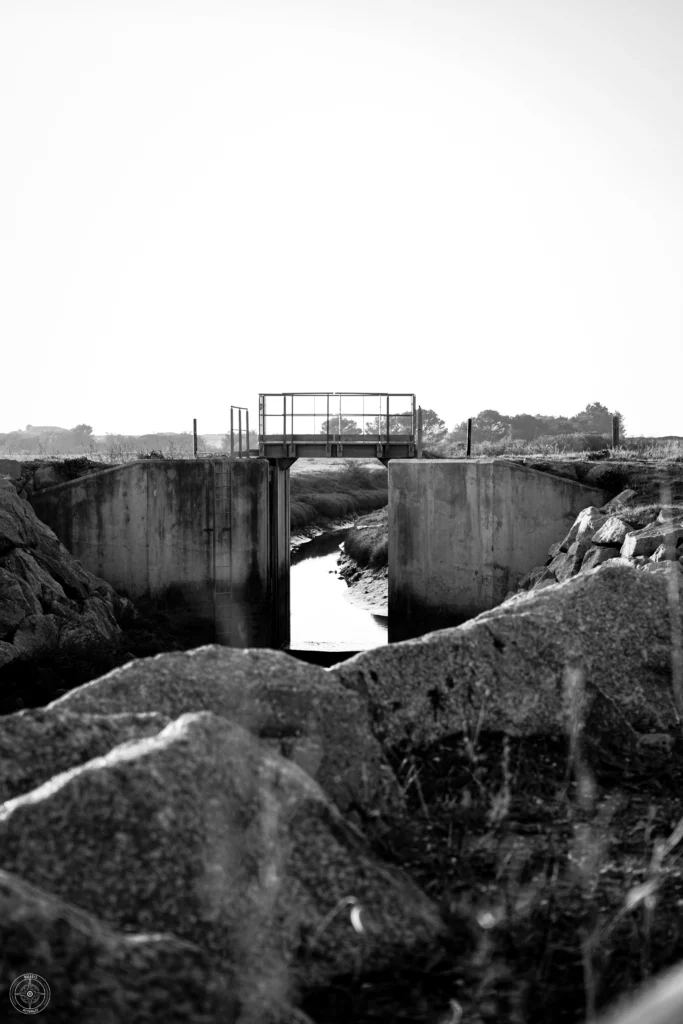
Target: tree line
{"x": 489, "y": 425}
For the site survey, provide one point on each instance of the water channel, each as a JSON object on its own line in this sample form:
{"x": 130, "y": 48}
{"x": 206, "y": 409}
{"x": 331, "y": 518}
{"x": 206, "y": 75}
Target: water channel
{"x": 325, "y": 626}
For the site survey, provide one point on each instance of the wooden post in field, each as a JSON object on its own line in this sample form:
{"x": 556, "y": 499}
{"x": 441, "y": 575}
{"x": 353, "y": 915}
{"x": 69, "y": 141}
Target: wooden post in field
{"x": 615, "y": 431}
{"x": 419, "y": 432}
{"x": 469, "y": 438}
{"x": 194, "y": 438}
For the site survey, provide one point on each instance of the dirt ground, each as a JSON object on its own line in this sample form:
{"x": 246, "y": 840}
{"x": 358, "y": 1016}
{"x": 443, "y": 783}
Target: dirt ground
{"x": 560, "y": 876}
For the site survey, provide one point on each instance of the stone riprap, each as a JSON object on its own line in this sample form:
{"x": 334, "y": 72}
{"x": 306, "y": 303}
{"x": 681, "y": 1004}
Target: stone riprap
{"x": 203, "y": 832}
{"x": 623, "y": 528}
{"x": 596, "y": 648}
{"x": 98, "y": 974}
{"x": 37, "y": 744}
{"x": 294, "y": 707}
{"x": 48, "y": 602}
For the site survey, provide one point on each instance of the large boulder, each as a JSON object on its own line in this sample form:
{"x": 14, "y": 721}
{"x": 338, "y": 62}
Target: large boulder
{"x": 601, "y": 639}
{"x": 612, "y": 533}
{"x": 97, "y": 974}
{"x": 647, "y": 540}
{"x": 36, "y": 744}
{"x": 296, "y": 707}
{"x": 596, "y": 556}
{"x": 201, "y": 831}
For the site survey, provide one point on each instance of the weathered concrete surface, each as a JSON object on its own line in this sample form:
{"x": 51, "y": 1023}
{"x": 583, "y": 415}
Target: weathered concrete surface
{"x": 609, "y": 634}
{"x": 203, "y": 832}
{"x": 197, "y": 526}
{"x": 462, "y": 533}
{"x": 98, "y": 974}
{"x": 293, "y": 706}
{"x": 37, "y": 744}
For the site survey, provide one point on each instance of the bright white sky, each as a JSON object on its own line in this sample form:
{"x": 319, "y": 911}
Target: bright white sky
{"x": 480, "y": 201}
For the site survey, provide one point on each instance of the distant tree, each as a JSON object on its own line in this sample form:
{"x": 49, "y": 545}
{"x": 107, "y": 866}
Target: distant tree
{"x": 489, "y": 425}
{"x": 433, "y": 427}
{"x": 597, "y": 419}
{"x": 83, "y": 428}
{"x": 399, "y": 423}
{"x": 347, "y": 426}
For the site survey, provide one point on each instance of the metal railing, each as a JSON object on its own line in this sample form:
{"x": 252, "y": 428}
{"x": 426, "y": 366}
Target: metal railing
{"x": 241, "y": 450}
{"x": 335, "y": 417}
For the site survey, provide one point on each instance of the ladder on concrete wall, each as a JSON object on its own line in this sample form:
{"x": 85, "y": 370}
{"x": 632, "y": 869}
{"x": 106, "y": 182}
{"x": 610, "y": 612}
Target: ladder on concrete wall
{"x": 222, "y": 560}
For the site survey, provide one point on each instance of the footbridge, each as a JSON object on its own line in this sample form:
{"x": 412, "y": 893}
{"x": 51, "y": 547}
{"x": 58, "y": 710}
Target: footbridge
{"x": 328, "y": 425}
{"x": 216, "y": 529}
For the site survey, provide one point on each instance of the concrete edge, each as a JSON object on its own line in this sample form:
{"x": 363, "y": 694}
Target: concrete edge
{"x": 491, "y": 460}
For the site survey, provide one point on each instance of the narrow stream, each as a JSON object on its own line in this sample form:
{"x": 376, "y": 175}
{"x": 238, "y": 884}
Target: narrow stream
{"x": 322, "y": 617}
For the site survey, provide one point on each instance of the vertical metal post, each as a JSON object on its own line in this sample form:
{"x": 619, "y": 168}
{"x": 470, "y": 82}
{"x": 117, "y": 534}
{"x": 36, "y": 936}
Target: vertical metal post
{"x": 615, "y": 431}
{"x": 239, "y": 431}
{"x": 194, "y": 438}
{"x": 387, "y": 426}
{"x": 339, "y": 424}
{"x": 469, "y": 438}
{"x": 419, "y": 432}
{"x": 328, "y": 423}
{"x": 413, "y": 424}
{"x": 232, "y": 432}
{"x": 291, "y": 420}
{"x": 247, "y": 432}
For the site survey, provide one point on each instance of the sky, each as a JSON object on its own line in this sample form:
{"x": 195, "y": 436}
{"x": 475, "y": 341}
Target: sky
{"x": 478, "y": 201}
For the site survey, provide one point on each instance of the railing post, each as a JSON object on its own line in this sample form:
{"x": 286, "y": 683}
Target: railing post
{"x": 232, "y": 432}
{"x": 239, "y": 432}
{"x": 615, "y": 431}
{"x": 247, "y": 432}
{"x": 419, "y": 432}
{"x": 194, "y": 438}
{"x": 469, "y": 438}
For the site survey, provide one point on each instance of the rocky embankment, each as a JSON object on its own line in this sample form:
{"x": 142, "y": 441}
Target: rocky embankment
{"x": 230, "y": 836}
{"x": 52, "y": 610}
{"x": 647, "y": 536}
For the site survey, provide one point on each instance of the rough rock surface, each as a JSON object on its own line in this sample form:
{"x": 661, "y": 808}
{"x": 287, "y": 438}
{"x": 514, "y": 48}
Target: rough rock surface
{"x": 296, "y": 707}
{"x": 624, "y": 528}
{"x": 600, "y": 643}
{"x": 36, "y": 744}
{"x": 612, "y": 533}
{"x": 48, "y": 602}
{"x": 98, "y": 974}
{"x": 646, "y": 542}
{"x": 201, "y": 831}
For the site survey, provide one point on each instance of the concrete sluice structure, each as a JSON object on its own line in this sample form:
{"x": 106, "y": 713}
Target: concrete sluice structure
{"x": 215, "y": 531}
{"x": 462, "y": 533}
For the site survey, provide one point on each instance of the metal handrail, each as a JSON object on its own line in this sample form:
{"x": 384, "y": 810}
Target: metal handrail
{"x": 383, "y": 415}
{"x": 240, "y": 410}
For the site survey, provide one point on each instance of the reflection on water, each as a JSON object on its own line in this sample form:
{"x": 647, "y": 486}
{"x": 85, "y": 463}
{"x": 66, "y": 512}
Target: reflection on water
{"x": 322, "y": 617}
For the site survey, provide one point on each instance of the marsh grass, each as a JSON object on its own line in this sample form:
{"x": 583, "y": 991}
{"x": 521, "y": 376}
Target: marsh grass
{"x": 571, "y": 446}
{"x": 368, "y": 547}
{"x": 336, "y": 492}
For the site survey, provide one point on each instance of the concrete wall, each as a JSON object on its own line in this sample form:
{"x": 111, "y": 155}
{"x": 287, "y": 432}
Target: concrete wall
{"x": 462, "y": 533}
{"x": 201, "y": 526}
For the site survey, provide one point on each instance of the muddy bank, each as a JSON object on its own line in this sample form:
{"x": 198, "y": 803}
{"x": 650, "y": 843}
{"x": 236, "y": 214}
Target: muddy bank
{"x": 363, "y": 562}
{"x": 317, "y": 529}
